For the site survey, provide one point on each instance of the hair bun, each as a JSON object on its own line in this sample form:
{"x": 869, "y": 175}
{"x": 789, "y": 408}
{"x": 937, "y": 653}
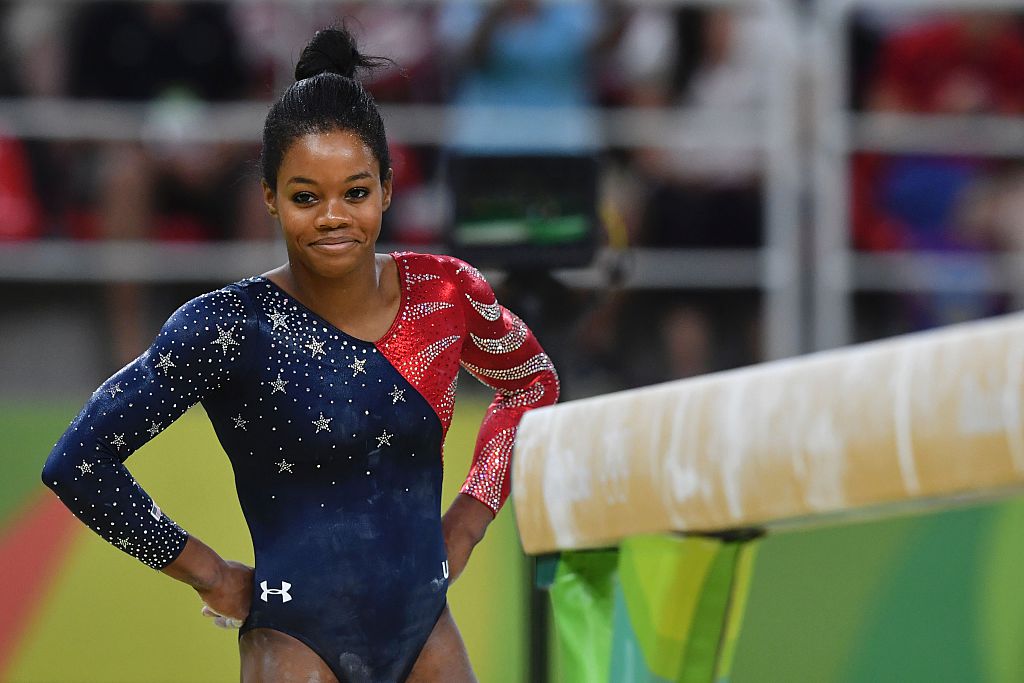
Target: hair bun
{"x": 332, "y": 50}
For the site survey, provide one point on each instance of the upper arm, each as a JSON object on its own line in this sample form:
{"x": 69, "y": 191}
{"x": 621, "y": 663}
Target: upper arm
{"x": 199, "y": 349}
{"x": 499, "y": 349}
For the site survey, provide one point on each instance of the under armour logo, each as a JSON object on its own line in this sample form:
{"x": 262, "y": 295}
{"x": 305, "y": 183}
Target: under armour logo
{"x": 444, "y": 568}
{"x": 282, "y": 591}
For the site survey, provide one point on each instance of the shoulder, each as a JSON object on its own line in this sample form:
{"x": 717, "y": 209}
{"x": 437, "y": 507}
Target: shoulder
{"x": 230, "y": 302}
{"x": 451, "y": 267}
{"x": 417, "y": 267}
{"x": 221, "y": 319}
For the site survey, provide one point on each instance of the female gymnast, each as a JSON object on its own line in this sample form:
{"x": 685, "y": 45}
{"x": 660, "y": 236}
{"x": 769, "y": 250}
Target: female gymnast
{"x": 330, "y": 382}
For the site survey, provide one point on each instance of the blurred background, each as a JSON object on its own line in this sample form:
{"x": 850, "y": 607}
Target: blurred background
{"x": 660, "y": 188}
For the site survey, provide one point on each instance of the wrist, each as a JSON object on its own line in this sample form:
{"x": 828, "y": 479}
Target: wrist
{"x": 198, "y": 566}
{"x": 209, "y": 577}
{"x": 466, "y": 520}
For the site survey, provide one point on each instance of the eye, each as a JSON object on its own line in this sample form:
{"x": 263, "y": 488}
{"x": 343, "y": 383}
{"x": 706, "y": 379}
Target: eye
{"x": 303, "y": 197}
{"x": 358, "y": 193}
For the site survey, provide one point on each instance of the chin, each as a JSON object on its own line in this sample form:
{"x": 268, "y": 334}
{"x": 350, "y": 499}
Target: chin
{"x": 336, "y": 265}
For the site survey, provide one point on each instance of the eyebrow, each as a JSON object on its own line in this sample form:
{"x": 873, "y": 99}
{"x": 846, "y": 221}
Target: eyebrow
{"x": 301, "y": 179}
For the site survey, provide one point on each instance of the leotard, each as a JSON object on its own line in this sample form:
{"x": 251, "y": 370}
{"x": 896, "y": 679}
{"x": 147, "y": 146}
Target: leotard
{"x": 335, "y": 445}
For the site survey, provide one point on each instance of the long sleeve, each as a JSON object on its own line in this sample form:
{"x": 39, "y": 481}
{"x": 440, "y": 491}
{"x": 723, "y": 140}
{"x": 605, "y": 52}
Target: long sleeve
{"x": 501, "y": 352}
{"x": 197, "y": 351}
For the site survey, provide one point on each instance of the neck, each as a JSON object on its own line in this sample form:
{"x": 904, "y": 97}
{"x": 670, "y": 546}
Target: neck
{"x": 340, "y": 298}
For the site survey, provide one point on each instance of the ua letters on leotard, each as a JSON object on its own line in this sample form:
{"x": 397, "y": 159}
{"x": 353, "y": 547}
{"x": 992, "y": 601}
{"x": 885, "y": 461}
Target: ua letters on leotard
{"x": 335, "y": 444}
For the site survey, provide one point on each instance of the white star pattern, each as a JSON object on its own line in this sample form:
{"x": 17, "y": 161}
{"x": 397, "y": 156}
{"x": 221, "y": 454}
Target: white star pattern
{"x": 165, "y": 363}
{"x": 279, "y": 319}
{"x": 316, "y": 347}
{"x": 278, "y": 384}
{"x": 323, "y": 423}
{"x": 429, "y": 335}
{"x": 224, "y": 338}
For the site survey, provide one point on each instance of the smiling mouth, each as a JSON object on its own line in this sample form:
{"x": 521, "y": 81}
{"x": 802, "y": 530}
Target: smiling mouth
{"x": 332, "y": 242}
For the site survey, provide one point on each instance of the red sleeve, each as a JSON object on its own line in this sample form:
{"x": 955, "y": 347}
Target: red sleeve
{"x": 501, "y": 352}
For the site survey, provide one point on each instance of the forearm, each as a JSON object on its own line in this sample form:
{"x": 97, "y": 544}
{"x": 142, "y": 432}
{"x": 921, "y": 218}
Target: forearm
{"x": 198, "y": 565}
{"x": 489, "y": 478}
{"x": 464, "y": 526}
{"x": 96, "y": 486}
{"x": 466, "y": 518}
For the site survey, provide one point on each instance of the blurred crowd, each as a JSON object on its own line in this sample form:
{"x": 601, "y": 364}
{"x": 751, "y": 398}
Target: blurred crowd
{"x": 963, "y": 65}
{"x": 513, "y": 56}
{"x": 509, "y": 55}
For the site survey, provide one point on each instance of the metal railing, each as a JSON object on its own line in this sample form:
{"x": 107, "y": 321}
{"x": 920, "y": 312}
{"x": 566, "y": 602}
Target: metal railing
{"x": 774, "y": 269}
{"x": 804, "y": 169}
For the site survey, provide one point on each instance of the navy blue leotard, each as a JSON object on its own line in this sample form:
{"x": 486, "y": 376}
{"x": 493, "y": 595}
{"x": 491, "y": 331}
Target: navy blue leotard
{"x": 335, "y": 444}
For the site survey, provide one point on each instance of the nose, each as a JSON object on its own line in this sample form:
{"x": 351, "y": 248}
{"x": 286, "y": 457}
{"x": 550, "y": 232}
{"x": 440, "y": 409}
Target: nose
{"x": 335, "y": 215}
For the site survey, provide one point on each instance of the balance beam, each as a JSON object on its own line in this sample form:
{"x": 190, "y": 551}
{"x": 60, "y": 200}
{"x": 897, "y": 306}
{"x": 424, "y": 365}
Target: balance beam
{"x": 928, "y": 419}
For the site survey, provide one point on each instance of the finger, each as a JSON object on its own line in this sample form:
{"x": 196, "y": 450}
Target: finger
{"x": 228, "y": 622}
{"x": 207, "y": 612}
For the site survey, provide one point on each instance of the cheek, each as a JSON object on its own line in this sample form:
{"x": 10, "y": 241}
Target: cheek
{"x": 293, "y": 223}
{"x": 370, "y": 214}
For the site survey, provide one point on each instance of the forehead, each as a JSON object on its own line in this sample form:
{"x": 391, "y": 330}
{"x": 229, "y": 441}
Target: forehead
{"x": 336, "y": 152}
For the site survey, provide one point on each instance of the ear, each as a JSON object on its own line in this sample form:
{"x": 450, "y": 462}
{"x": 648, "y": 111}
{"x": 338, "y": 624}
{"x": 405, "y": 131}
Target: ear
{"x": 386, "y": 185}
{"x": 269, "y": 198}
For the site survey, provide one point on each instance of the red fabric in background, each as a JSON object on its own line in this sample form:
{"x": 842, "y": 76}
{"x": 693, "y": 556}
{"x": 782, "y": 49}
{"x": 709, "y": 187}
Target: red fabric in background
{"x": 20, "y": 215}
{"x": 922, "y": 62}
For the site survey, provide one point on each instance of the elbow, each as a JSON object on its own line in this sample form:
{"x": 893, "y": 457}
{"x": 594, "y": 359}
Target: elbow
{"x": 554, "y": 387}
{"x": 58, "y": 472}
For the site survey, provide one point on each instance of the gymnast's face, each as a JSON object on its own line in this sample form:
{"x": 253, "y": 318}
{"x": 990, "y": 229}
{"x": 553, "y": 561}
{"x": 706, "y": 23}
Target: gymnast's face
{"x": 329, "y": 199}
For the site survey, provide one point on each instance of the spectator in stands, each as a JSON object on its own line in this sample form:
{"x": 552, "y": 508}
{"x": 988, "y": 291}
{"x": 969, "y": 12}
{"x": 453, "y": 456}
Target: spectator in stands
{"x": 687, "y": 336}
{"x": 20, "y": 214}
{"x": 31, "y": 64}
{"x": 959, "y": 66}
{"x": 519, "y": 56}
{"x": 713, "y": 63}
{"x": 177, "y": 57}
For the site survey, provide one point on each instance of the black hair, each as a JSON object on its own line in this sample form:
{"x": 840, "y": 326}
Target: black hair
{"x": 325, "y": 97}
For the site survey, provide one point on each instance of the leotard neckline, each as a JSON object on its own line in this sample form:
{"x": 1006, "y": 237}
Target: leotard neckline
{"x": 383, "y": 338}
